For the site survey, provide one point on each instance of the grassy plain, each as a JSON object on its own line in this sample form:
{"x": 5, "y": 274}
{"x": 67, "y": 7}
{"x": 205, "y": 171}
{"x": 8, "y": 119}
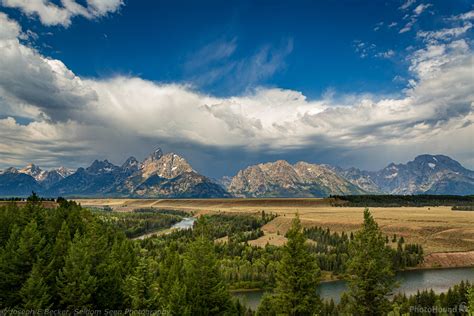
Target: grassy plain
{"x": 438, "y": 229}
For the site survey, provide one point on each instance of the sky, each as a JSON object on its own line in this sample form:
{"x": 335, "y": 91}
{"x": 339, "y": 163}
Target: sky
{"x": 227, "y": 84}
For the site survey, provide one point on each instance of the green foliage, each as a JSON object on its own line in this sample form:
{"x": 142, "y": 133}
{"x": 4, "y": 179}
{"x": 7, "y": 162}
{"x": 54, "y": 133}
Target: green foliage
{"x": 297, "y": 278}
{"x": 42, "y": 266}
{"x": 452, "y": 302}
{"x": 135, "y": 224}
{"x": 141, "y": 287}
{"x": 76, "y": 282}
{"x": 35, "y": 292}
{"x": 370, "y": 268}
{"x": 206, "y": 291}
{"x": 70, "y": 257}
{"x": 470, "y": 299}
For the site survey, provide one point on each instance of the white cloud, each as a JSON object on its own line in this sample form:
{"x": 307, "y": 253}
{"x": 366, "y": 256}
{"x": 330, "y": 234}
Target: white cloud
{"x": 413, "y": 18}
{"x": 51, "y": 14}
{"x": 407, "y": 4}
{"x": 364, "y": 49}
{"x": 444, "y": 34}
{"x": 79, "y": 118}
{"x": 421, "y": 8}
{"x": 464, "y": 16}
{"x": 407, "y": 26}
{"x": 387, "y": 54}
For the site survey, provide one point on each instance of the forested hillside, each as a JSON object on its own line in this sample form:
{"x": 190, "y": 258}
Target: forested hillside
{"x": 73, "y": 258}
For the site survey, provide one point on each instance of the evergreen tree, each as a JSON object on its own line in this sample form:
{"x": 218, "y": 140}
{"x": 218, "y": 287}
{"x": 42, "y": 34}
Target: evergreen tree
{"x": 76, "y": 282}
{"x": 206, "y": 292}
{"x": 58, "y": 253}
{"x": 113, "y": 269}
{"x": 471, "y": 300}
{"x": 16, "y": 261}
{"x": 297, "y": 277}
{"x": 10, "y": 277}
{"x": 141, "y": 287}
{"x": 370, "y": 269}
{"x": 35, "y": 291}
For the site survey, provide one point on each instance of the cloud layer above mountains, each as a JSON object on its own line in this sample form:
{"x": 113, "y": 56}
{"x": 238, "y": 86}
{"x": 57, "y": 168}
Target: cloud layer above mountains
{"x": 51, "y": 116}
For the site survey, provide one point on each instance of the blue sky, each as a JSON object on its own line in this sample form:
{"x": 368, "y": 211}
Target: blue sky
{"x": 160, "y": 41}
{"x": 316, "y": 61}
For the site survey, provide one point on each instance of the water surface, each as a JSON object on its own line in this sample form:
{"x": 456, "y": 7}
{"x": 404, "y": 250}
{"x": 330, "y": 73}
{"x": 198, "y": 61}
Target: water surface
{"x": 440, "y": 280}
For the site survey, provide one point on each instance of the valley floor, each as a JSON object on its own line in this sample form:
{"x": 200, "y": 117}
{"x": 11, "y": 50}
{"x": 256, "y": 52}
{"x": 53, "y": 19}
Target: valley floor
{"x": 437, "y": 229}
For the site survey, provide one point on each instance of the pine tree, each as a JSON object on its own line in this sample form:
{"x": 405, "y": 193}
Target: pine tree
{"x": 16, "y": 261}
{"x": 471, "y": 300}
{"x": 58, "y": 253}
{"x": 35, "y": 291}
{"x": 76, "y": 283}
{"x": 113, "y": 270}
{"x": 370, "y": 270}
{"x": 206, "y": 292}
{"x": 141, "y": 286}
{"x": 297, "y": 277}
{"x": 10, "y": 279}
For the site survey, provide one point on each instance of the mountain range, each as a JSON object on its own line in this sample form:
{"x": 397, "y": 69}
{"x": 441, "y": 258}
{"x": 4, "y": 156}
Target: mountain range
{"x": 158, "y": 175}
{"x": 171, "y": 176}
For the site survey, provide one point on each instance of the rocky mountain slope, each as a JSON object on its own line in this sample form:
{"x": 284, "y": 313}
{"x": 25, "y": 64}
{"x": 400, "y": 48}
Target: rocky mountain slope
{"x": 170, "y": 175}
{"x": 281, "y": 179}
{"x": 158, "y": 175}
{"x": 426, "y": 174}
{"x": 15, "y": 183}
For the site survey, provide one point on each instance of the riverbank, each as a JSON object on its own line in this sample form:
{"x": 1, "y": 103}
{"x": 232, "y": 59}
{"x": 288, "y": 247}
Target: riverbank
{"x": 438, "y": 229}
{"x": 442, "y": 260}
{"x": 439, "y": 280}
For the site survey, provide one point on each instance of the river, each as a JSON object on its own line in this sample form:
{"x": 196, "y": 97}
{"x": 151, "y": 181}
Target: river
{"x": 440, "y": 280}
{"x": 185, "y": 223}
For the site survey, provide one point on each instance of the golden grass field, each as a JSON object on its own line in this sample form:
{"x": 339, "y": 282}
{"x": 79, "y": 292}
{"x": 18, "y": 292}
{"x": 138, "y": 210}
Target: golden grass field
{"x": 438, "y": 229}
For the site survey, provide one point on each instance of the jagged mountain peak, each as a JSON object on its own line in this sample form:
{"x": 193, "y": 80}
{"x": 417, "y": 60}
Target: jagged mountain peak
{"x": 441, "y": 161}
{"x": 64, "y": 172}
{"x": 428, "y": 174}
{"x": 167, "y": 166}
{"x": 101, "y": 166}
{"x": 32, "y": 170}
{"x": 282, "y": 179}
{"x": 154, "y": 156}
{"x": 131, "y": 165}
{"x": 10, "y": 170}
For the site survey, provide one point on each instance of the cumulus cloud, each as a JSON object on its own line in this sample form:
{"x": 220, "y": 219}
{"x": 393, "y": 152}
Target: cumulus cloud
{"x": 29, "y": 79}
{"x": 50, "y": 13}
{"x": 76, "y": 119}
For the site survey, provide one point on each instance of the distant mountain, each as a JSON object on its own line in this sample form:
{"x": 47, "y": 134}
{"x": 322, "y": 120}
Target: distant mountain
{"x": 170, "y": 176}
{"x": 426, "y": 174}
{"x": 158, "y": 175}
{"x": 15, "y": 183}
{"x": 96, "y": 180}
{"x": 281, "y": 179}
{"x": 46, "y": 178}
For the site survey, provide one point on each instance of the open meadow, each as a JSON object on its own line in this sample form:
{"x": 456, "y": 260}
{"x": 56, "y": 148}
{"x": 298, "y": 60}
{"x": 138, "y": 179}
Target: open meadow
{"x": 438, "y": 229}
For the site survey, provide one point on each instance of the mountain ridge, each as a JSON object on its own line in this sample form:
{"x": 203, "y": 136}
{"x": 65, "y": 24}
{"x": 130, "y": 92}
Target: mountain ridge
{"x": 171, "y": 176}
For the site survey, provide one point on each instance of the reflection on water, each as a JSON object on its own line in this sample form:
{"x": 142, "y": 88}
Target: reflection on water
{"x": 185, "y": 223}
{"x": 439, "y": 280}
